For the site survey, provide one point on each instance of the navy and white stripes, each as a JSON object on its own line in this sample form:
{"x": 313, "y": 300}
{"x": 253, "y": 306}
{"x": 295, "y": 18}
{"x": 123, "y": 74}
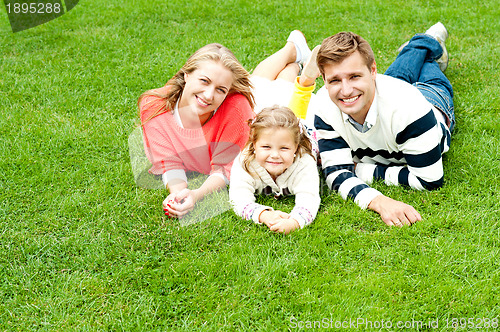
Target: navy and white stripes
{"x": 404, "y": 146}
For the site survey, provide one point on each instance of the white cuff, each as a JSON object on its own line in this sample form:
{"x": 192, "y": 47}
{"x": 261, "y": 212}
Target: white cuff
{"x": 365, "y": 196}
{"x": 174, "y": 174}
{"x": 302, "y": 222}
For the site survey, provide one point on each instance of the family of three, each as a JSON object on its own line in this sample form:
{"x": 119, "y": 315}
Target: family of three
{"x": 266, "y": 133}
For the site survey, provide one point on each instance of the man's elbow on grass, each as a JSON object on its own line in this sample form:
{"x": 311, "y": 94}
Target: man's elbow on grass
{"x": 432, "y": 185}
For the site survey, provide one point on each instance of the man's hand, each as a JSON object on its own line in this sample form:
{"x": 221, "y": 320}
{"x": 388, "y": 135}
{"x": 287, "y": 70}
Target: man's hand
{"x": 394, "y": 213}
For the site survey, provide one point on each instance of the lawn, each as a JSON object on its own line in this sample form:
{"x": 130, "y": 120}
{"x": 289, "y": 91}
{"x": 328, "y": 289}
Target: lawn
{"x": 82, "y": 248}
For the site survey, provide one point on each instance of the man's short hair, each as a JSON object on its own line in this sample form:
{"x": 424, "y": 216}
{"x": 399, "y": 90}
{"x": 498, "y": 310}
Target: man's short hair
{"x": 336, "y": 48}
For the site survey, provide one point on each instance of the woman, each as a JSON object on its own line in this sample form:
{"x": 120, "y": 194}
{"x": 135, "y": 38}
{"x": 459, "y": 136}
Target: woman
{"x": 197, "y": 122}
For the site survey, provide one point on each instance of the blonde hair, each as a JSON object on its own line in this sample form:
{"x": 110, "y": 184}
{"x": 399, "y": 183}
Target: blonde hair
{"x": 211, "y": 52}
{"x": 275, "y": 117}
{"x": 336, "y": 48}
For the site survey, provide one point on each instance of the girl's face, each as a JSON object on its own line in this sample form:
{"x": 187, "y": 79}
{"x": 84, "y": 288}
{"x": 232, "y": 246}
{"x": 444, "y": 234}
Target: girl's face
{"x": 206, "y": 88}
{"x": 275, "y": 150}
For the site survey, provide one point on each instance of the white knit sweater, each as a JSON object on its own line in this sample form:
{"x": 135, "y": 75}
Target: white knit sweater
{"x": 300, "y": 179}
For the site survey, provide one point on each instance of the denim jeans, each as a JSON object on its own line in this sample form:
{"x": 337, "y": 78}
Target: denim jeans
{"x": 416, "y": 65}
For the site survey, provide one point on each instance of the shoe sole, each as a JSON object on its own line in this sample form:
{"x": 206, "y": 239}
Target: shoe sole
{"x": 311, "y": 69}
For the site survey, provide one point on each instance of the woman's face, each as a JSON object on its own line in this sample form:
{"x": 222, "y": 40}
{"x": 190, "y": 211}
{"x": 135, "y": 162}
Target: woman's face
{"x": 206, "y": 88}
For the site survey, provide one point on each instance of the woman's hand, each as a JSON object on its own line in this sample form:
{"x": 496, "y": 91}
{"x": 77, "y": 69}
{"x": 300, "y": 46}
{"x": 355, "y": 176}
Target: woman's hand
{"x": 177, "y": 205}
{"x": 182, "y": 200}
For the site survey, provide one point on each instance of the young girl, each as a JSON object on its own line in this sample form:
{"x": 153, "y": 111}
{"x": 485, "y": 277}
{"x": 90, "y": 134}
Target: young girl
{"x": 197, "y": 122}
{"x": 277, "y": 159}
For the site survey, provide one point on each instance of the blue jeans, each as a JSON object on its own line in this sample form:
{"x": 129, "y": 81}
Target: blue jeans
{"x": 416, "y": 65}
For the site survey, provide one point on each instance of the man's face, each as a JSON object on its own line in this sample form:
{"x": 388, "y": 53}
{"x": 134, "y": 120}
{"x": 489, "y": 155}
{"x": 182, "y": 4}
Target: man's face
{"x": 351, "y": 85}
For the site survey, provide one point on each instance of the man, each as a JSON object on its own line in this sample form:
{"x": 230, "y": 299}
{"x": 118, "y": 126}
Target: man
{"x": 393, "y": 127}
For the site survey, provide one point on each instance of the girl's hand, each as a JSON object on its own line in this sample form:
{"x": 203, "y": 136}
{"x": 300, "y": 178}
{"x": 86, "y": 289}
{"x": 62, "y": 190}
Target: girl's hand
{"x": 270, "y": 218}
{"x": 285, "y": 225}
{"x": 179, "y": 204}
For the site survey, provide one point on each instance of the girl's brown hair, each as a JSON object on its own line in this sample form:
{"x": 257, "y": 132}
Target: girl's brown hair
{"x": 211, "y": 52}
{"x": 275, "y": 117}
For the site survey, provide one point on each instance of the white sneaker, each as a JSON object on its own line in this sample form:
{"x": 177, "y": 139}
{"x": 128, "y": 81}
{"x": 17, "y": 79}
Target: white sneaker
{"x": 439, "y": 32}
{"x": 403, "y": 46}
{"x": 299, "y": 40}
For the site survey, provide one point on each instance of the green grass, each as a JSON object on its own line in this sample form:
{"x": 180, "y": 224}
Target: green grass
{"x": 83, "y": 248}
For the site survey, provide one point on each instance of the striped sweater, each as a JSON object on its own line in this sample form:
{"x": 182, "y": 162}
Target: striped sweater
{"x": 403, "y": 147}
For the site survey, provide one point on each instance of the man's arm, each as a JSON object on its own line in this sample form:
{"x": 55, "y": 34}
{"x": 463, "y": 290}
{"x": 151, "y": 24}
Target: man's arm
{"x": 338, "y": 168}
{"x": 422, "y": 144}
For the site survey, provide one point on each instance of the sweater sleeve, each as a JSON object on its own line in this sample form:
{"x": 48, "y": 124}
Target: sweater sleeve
{"x": 338, "y": 165}
{"x": 159, "y": 150}
{"x": 158, "y": 147}
{"x": 242, "y": 193}
{"x": 306, "y": 190}
{"x": 422, "y": 143}
{"x": 232, "y": 134}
